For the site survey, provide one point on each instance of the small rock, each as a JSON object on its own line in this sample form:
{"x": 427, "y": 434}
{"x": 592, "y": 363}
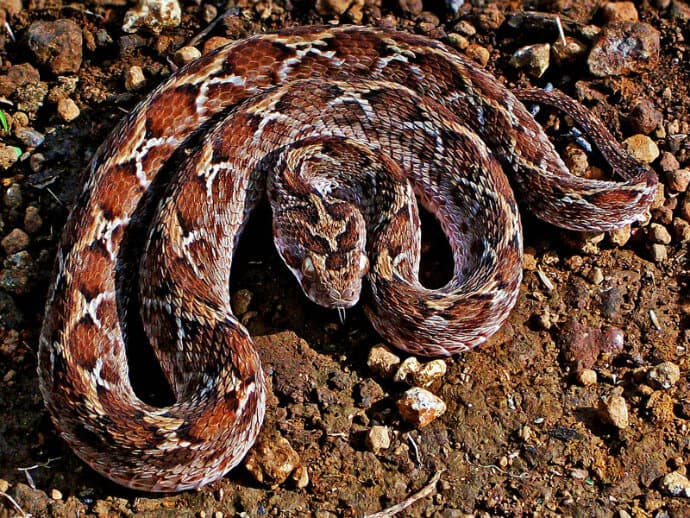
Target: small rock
{"x": 8, "y": 155}
{"x": 676, "y": 484}
{"x": 478, "y": 53}
{"x": 465, "y": 28}
{"x": 186, "y": 55}
{"x": 642, "y": 148}
{"x": 4, "y": 485}
{"x": 579, "y": 474}
{"x": 67, "y": 109}
{"x": 32, "y": 220}
{"x": 382, "y": 361}
{"x": 664, "y": 375}
{"x": 134, "y": 78}
{"x": 18, "y": 270}
{"x": 575, "y": 159}
{"x": 209, "y": 12}
{"x": 272, "y": 460}
{"x": 155, "y": 15}
{"x": 458, "y": 40}
{"x": 621, "y": 235}
{"x": 56, "y": 45}
{"x": 11, "y": 7}
{"x": 679, "y": 180}
{"x": 658, "y": 252}
{"x": 685, "y": 209}
{"x": 613, "y": 410}
{"x": 240, "y": 301}
{"x": 429, "y": 372}
{"x": 15, "y": 241}
{"x": 644, "y": 117}
{"x": 624, "y": 47}
{"x": 420, "y": 407}
{"x": 668, "y": 162}
{"x": 13, "y": 197}
{"x": 586, "y": 377}
{"x": 414, "y": 7}
{"x": 569, "y": 53}
{"x": 55, "y": 494}
{"x": 30, "y": 137}
{"x": 491, "y": 18}
{"x": 534, "y": 58}
{"x": 369, "y": 393}
{"x": 659, "y": 234}
{"x": 619, "y": 12}
{"x": 378, "y": 439}
{"x": 681, "y": 230}
{"x": 16, "y": 76}
{"x": 596, "y": 276}
{"x": 407, "y": 370}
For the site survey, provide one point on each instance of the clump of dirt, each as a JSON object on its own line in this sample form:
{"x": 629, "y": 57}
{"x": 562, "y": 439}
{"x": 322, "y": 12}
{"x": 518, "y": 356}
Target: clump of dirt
{"x": 576, "y": 407}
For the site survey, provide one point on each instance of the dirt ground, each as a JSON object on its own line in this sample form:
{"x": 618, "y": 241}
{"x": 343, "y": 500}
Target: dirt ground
{"x": 535, "y": 422}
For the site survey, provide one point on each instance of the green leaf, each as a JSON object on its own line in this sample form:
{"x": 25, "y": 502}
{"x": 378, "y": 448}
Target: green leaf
{"x": 3, "y": 121}
{"x": 17, "y": 150}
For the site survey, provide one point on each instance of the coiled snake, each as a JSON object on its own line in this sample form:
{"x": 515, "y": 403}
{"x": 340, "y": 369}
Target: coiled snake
{"x": 342, "y": 127}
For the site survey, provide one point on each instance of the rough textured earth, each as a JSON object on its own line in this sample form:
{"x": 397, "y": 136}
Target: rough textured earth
{"x": 569, "y": 410}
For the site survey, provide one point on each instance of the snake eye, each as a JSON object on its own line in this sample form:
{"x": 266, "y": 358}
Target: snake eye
{"x": 308, "y": 269}
{"x": 363, "y": 264}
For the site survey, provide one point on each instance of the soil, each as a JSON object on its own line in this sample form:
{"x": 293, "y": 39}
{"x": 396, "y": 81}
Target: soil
{"x": 526, "y": 429}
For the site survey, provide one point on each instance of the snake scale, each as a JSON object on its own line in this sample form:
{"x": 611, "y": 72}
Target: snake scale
{"x": 342, "y": 127}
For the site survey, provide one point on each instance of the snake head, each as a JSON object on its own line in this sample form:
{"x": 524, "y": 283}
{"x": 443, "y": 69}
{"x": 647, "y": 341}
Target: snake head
{"x": 323, "y": 244}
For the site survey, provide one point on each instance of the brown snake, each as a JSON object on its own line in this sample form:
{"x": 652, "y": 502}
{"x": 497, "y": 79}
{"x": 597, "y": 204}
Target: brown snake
{"x": 342, "y": 127}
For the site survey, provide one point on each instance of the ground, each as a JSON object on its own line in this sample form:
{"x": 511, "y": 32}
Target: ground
{"x": 529, "y": 427}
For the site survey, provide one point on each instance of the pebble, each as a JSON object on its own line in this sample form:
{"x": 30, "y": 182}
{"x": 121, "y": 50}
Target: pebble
{"x": 658, "y": 253}
{"x": 32, "y": 220}
{"x": 664, "y": 375}
{"x": 458, "y": 40}
{"x": 382, "y": 361}
{"x": 407, "y": 370}
{"x": 420, "y": 407}
{"x": 642, "y": 148}
{"x": 681, "y": 230}
{"x": 272, "y": 460}
{"x": 668, "y": 162}
{"x": 414, "y": 7}
{"x": 13, "y": 197}
{"x": 67, "y": 109}
{"x": 430, "y": 372}
{"x": 16, "y": 76}
{"x": 478, "y": 53}
{"x": 56, "y": 45}
{"x": 587, "y": 377}
{"x": 55, "y": 494}
{"x": 8, "y": 155}
{"x": 15, "y": 241}
{"x": 11, "y": 7}
{"x": 596, "y": 276}
{"x": 676, "y": 484}
{"x": 155, "y": 15}
{"x": 644, "y": 117}
{"x": 30, "y": 137}
{"x": 240, "y": 301}
{"x": 491, "y": 18}
{"x": 659, "y": 234}
{"x": 569, "y": 53}
{"x": 30, "y": 96}
{"x": 465, "y": 28}
{"x": 16, "y": 274}
{"x": 134, "y": 78}
{"x": 614, "y": 410}
{"x": 579, "y": 474}
{"x": 4, "y": 485}
{"x": 533, "y": 58}
{"x": 378, "y": 439}
{"x": 581, "y": 344}
{"x": 624, "y": 47}
{"x": 619, "y": 12}
{"x": 576, "y": 159}
{"x": 679, "y": 180}
{"x": 186, "y": 55}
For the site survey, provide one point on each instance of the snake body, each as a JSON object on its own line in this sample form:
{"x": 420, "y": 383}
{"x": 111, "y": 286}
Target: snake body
{"x": 342, "y": 127}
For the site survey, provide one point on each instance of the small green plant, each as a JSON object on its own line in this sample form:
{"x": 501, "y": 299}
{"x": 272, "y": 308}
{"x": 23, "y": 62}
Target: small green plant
{"x": 3, "y": 121}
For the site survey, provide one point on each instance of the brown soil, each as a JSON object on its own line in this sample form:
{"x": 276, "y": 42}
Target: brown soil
{"x": 521, "y": 436}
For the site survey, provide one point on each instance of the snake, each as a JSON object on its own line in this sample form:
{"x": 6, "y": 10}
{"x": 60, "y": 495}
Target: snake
{"x": 346, "y": 130}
